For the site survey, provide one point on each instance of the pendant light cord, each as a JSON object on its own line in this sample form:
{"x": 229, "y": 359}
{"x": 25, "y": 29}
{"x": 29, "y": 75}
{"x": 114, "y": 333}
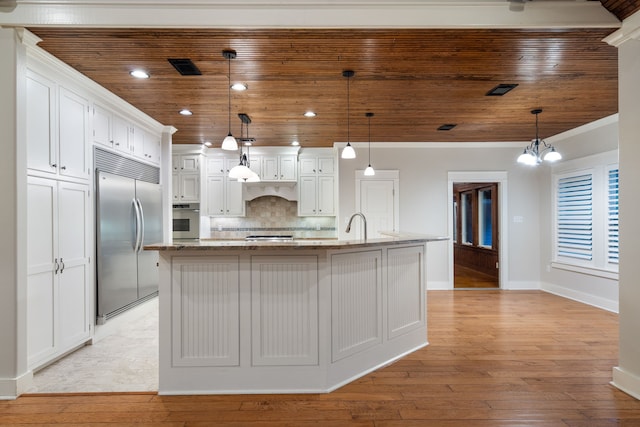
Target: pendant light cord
{"x": 369, "y": 116}
{"x": 229, "y": 91}
{"x": 348, "y": 81}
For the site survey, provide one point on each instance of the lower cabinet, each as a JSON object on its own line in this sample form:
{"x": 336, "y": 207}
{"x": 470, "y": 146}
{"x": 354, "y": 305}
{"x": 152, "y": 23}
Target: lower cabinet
{"x": 58, "y": 271}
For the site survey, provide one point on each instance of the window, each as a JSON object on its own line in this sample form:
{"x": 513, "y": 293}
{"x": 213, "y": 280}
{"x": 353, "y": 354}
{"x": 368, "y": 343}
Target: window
{"x": 612, "y": 216}
{"x": 585, "y": 202}
{"x": 575, "y": 219}
{"x": 485, "y": 222}
{"x": 467, "y": 218}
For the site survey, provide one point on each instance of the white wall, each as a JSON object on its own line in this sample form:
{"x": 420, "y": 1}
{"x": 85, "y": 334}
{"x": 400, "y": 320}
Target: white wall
{"x": 423, "y": 201}
{"x": 595, "y": 142}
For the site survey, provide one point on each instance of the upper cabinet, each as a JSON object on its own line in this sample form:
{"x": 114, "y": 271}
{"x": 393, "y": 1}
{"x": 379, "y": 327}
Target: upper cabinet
{"x": 186, "y": 177}
{"x": 57, "y": 129}
{"x": 114, "y": 131}
{"x": 317, "y": 183}
{"x": 276, "y": 168}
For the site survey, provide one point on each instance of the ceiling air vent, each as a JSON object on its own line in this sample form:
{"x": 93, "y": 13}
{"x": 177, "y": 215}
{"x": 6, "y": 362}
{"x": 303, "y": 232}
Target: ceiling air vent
{"x": 447, "y": 126}
{"x": 185, "y": 66}
{"x": 501, "y": 89}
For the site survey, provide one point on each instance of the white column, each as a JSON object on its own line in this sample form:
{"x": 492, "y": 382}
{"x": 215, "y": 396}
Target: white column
{"x": 14, "y": 374}
{"x": 626, "y": 376}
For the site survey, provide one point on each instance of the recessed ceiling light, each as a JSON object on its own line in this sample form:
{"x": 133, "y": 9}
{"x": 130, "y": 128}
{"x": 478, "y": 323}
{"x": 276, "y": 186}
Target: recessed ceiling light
{"x": 239, "y": 86}
{"x": 208, "y": 143}
{"x": 295, "y": 143}
{"x": 447, "y": 126}
{"x": 185, "y": 112}
{"x": 139, "y": 74}
{"x": 501, "y": 89}
{"x": 310, "y": 114}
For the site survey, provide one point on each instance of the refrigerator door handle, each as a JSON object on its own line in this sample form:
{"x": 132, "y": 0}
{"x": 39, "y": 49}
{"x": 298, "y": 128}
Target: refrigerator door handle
{"x": 141, "y": 239}
{"x": 136, "y": 225}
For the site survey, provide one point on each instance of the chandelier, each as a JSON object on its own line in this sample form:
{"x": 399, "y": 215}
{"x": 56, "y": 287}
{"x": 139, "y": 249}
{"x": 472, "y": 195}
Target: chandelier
{"x": 538, "y": 150}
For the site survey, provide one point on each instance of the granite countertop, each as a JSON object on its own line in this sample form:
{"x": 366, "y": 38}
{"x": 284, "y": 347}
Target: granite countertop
{"x": 215, "y": 244}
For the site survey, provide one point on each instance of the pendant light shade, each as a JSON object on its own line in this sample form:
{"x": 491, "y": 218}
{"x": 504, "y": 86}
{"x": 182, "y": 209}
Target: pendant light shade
{"x": 348, "y": 152}
{"x": 534, "y": 153}
{"x": 229, "y": 143}
{"x": 369, "y": 170}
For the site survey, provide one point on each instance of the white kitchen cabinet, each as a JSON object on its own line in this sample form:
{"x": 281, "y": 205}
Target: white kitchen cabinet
{"x": 279, "y": 168}
{"x": 224, "y": 196}
{"x": 316, "y": 185}
{"x": 73, "y": 138}
{"x": 57, "y": 129}
{"x": 120, "y": 134}
{"x": 217, "y": 166}
{"x": 316, "y": 196}
{"x": 188, "y": 188}
{"x": 186, "y": 178}
{"x": 102, "y": 123}
{"x": 58, "y": 270}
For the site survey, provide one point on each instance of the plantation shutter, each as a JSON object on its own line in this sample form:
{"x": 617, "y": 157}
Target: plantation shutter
{"x": 612, "y": 217}
{"x": 575, "y": 217}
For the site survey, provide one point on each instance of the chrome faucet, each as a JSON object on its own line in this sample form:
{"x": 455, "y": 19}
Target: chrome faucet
{"x": 364, "y": 221}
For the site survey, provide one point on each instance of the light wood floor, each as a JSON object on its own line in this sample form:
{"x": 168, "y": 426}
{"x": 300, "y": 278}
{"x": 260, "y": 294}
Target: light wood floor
{"x": 495, "y": 358}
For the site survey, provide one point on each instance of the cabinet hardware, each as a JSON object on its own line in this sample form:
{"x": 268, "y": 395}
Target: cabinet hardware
{"x": 55, "y": 261}
{"x": 54, "y": 165}
{"x": 64, "y": 168}
{"x": 61, "y": 266}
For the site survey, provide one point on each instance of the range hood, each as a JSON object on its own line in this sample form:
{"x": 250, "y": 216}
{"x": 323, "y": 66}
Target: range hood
{"x": 286, "y": 190}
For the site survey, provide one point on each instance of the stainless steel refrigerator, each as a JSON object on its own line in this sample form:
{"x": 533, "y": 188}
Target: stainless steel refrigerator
{"x": 129, "y": 215}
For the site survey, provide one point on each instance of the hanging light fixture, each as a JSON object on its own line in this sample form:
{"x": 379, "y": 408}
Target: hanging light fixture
{"x": 533, "y": 155}
{"x": 348, "y": 152}
{"x": 229, "y": 143}
{"x": 241, "y": 171}
{"x": 369, "y": 170}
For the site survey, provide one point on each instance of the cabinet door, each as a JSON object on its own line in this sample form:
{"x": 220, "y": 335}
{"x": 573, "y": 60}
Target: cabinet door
{"x": 288, "y": 168}
{"x": 326, "y": 165}
{"x": 308, "y": 166}
{"x": 270, "y": 168}
{"x": 101, "y": 125}
{"x": 307, "y": 196}
{"x": 40, "y": 124}
{"x": 152, "y": 147}
{"x": 42, "y": 269}
{"x": 189, "y": 187}
{"x": 73, "y": 250}
{"x": 175, "y": 187}
{"x": 326, "y": 195}
{"x": 73, "y": 122}
{"x": 234, "y": 198}
{"x": 120, "y": 134}
{"x": 215, "y": 166}
{"x": 136, "y": 141}
{"x": 215, "y": 195}
{"x": 190, "y": 163}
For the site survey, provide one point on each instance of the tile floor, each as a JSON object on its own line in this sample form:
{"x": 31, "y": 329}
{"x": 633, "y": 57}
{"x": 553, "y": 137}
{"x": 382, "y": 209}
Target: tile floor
{"x": 125, "y": 360}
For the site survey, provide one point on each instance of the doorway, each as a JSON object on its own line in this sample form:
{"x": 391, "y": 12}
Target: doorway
{"x": 476, "y": 242}
{"x": 500, "y": 225}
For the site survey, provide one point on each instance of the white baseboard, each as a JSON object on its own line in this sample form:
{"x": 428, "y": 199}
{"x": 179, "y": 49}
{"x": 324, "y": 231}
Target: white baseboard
{"x": 439, "y": 286}
{"x": 11, "y": 388}
{"x": 520, "y": 285}
{"x": 603, "y": 303}
{"x": 626, "y": 382}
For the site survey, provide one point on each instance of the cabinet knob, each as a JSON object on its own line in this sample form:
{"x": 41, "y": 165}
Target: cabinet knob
{"x": 117, "y": 144}
{"x": 63, "y": 168}
{"x": 54, "y": 165}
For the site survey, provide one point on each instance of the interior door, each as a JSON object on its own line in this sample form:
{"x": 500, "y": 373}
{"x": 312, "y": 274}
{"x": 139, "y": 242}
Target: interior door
{"x": 378, "y": 205}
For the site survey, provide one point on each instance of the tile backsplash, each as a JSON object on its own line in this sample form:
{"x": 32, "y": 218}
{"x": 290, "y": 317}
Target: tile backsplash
{"x": 272, "y": 215}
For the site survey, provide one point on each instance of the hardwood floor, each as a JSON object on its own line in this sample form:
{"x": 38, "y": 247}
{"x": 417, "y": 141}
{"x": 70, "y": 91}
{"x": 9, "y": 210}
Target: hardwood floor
{"x": 495, "y": 358}
{"x": 467, "y": 278}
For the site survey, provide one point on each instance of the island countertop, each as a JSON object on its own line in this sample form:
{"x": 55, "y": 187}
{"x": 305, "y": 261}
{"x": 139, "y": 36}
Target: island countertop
{"x": 215, "y": 244}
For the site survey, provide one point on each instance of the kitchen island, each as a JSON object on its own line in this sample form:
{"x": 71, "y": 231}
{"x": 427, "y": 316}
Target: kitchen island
{"x": 302, "y": 316}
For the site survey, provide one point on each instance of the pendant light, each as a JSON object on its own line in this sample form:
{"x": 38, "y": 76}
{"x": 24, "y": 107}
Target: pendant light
{"x": 348, "y": 152}
{"x": 532, "y": 154}
{"x": 369, "y": 170}
{"x": 229, "y": 143}
{"x": 241, "y": 171}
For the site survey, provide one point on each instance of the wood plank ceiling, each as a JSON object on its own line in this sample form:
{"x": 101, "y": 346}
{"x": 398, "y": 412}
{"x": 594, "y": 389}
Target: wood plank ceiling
{"x": 413, "y": 80}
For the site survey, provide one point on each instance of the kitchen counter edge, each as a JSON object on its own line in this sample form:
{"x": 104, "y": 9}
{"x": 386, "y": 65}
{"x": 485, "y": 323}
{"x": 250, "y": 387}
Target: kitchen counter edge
{"x": 205, "y": 244}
